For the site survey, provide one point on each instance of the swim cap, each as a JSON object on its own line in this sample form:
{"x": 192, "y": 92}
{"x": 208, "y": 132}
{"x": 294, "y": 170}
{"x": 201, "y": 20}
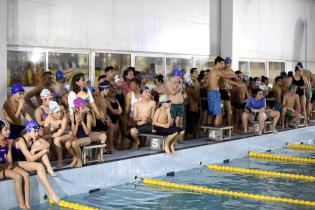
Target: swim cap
{"x": 17, "y": 88}
{"x": 45, "y": 93}
{"x": 83, "y": 95}
{"x": 143, "y": 89}
{"x": 59, "y": 75}
{"x": 118, "y": 78}
{"x": 104, "y": 85}
{"x": 164, "y": 99}
{"x": 54, "y": 106}
{"x": 31, "y": 125}
{"x": 79, "y": 102}
{"x": 176, "y": 73}
{"x": 227, "y": 60}
{"x": 3, "y": 124}
{"x": 299, "y": 64}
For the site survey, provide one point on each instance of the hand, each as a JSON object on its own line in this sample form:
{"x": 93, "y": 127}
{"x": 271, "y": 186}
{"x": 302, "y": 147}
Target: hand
{"x": 21, "y": 102}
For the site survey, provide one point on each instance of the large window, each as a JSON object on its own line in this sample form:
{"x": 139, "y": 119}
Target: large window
{"x": 68, "y": 62}
{"x": 150, "y": 64}
{"x": 181, "y": 63}
{"x": 204, "y": 63}
{"x": 275, "y": 68}
{"x": 25, "y": 67}
{"x": 119, "y": 61}
{"x": 257, "y": 69}
{"x": 243, "y": 66}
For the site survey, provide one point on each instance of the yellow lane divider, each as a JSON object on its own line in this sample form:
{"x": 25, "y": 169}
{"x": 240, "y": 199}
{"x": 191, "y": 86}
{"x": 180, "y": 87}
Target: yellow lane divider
{"x": 281, "y": 157}
{"x": 261, "y": 172}
{"x": 301, "y": 146}
{"x": 227, "y": 192}
{"x": 71, "y": 205}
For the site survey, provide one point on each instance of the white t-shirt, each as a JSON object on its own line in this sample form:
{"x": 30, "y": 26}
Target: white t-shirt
{"x": 72, "y": 96}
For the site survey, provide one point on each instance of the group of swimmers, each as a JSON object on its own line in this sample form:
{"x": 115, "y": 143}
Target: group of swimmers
{"x": 70, "y": 113}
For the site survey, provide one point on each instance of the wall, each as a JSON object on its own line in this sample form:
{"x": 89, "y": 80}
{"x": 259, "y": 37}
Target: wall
{"x": 177, "y": 26}
{"x": 3, "y": 51}
{"x": 274, "y": 30}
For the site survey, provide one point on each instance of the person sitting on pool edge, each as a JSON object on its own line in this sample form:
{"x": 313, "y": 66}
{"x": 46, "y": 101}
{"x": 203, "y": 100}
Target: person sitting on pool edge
{"x": 256, "y": 111}
{"x": 142, "y": 114}
{"x": 164, "y": 124}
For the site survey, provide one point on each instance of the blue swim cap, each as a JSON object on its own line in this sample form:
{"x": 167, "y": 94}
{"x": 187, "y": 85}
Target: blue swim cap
{"x": 31, "y": 125}
{"x": 17, "y": 88}
{"x": 176, "y": 73}
{"x": 227, "y": 59}
{"x": 59, "y": 75}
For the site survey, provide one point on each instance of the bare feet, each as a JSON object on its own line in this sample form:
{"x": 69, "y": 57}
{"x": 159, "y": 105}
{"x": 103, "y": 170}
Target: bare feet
{"x": 59, "y": 165}
{"x": 167, "y": 149}
{"x": 172, "y": 147}
{"x": 79, "y": 164}
{"x": 52, "y": 173}
{"x": 274, "y": 131}
{"x": 135, "y": 145}
{"x": 28, "y": 206}
{"x": 73, "y": 163}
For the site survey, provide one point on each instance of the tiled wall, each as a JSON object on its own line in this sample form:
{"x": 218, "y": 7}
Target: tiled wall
{"x": 81, "y": 180}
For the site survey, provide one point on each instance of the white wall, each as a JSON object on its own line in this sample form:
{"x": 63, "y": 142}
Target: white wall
{"x": 172, "y": 26}
{"x": 3, "y": 52}
{"x": 270, "y": 29}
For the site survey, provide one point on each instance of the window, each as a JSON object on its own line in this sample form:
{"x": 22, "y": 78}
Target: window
{"x": 25, "y": 67}
{"x": 204, "y": 63}
{"x": 181, "y": 63}
{"x": 119, "y": 61}
{"x": 275, "y": 68}
{"x": 68, "y": 62}
{"x": 243, "y": 66}
{"x": 257, "y": 69}
{"x": 150, "y": 64}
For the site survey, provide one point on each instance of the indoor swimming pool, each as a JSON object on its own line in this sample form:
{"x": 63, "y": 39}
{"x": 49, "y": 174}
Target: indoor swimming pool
{"x": 136, "y": 195}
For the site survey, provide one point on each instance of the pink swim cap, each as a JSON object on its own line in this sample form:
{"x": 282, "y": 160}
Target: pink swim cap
{"x": 79, "y": 102}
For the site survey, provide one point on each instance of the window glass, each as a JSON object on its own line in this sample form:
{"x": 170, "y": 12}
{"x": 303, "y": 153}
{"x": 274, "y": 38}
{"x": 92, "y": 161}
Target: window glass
{"x": 181, "y": 63}
{"x": 275, "y": 68}
{"x": 150, "y": 64}
{"x": 204, "y": 63}
{"x": 257, "y": 69}
{"x": 25, "y": 67}
{"x": 119, "y": 61}
{"x": 69, "y": 63}
{"x": 243, "y": 66}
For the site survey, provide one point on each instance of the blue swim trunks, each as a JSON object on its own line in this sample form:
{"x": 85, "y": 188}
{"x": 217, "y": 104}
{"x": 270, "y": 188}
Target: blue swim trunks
{"x": 214, "y": 102}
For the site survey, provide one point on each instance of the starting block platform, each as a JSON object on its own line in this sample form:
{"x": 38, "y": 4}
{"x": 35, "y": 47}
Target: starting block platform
{"x": 218, "y": 133}
{"x": 88, "y": 151}
{"x": 156, "y": 141}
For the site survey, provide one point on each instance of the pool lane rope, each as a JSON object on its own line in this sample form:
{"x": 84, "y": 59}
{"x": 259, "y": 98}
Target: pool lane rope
{"x": 71, "y": 205}
{"x": 281, "y": 157}
{"x": 227, "y": 192}
{"x": 230, "y": 169}
{"x": 300, "y": 146}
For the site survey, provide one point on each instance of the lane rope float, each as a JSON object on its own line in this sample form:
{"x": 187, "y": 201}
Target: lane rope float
{"x": 300, "y": 146}
{"x": 71, "y": 205}
{"x": 261, "y": 172}
{"x": 227, "y": 192}
{"x": 281, "y": 157}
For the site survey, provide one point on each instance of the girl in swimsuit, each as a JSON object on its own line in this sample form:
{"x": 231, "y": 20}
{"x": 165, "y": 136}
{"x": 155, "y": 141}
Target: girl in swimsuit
{"x": 8, "y": 170}
{"x": 56, "y": 125}
{"x": 81, "y": 123}
{"x": 26, "y": 158}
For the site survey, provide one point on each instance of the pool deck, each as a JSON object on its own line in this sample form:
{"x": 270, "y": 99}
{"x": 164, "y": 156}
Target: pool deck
{"x": 123, "y": 166}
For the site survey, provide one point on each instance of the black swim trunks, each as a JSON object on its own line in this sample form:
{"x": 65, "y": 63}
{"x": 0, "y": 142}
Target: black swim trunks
{"x": 225, "y": 95}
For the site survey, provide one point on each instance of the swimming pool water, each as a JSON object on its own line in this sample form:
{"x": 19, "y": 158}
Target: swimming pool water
{"x": 137, "y": 196}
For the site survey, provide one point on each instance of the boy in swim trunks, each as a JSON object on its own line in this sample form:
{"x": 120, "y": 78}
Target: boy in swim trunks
{"x": 13, "y": 109}
{"x": 214, "y": 97}
{"x": 290, "y": 100}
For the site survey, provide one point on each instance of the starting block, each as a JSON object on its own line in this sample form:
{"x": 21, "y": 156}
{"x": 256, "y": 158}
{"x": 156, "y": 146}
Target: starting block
{"x": 156, "y": 141}
{"x": 87, "y": 150}
{"x": 301, "y": 122}
{"x": 267, "y": 127}
{"x": 218, "y": 133}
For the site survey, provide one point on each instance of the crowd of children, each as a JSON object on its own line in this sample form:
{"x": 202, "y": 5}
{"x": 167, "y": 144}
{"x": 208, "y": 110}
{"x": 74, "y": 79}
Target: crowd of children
{"x": 70, "y": 113}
